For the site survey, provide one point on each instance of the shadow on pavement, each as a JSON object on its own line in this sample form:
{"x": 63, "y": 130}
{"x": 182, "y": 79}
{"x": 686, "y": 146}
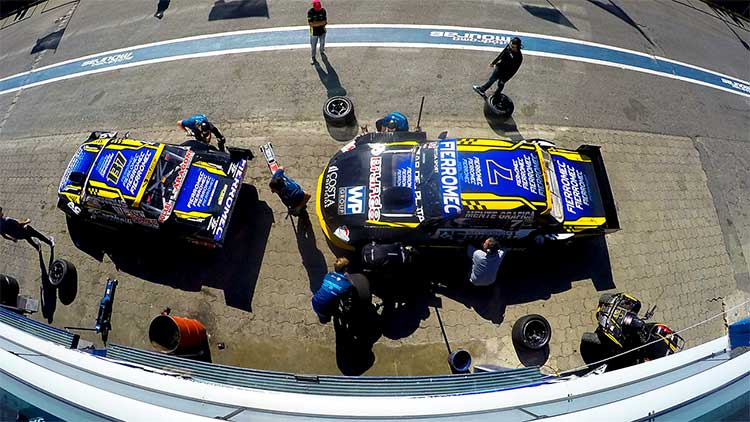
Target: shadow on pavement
{"x": 503, "y": 126}
{"x": 238, "y": 9}
{"x": 329, "y": 78}
{"x": 617, "y": 11}
{"x": 524, "y": 276}
{"x": 48, "y": 42}
{"x": 158, "y": 259}
{"x": 312, "y": 258}
{"x": 356, "y": 333}
{"x": 343, "y": 133}
{"x": 551, "y": 14}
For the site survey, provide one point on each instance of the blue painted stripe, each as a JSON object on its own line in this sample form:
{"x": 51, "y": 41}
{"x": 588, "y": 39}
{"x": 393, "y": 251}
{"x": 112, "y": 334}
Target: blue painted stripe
{"x": 357, "y": 35}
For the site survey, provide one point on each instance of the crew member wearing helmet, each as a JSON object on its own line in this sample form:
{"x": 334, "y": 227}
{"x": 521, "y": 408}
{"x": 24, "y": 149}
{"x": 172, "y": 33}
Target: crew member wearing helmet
{"x": 504, "y": 66}
{"x": 199, "y": 126}
{"x": 392, "y": 122}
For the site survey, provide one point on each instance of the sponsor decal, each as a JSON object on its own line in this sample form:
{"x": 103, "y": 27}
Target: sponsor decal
{"x": 377, "y": 149}
{"x": 115, "y": 170}
{"x": 575, "y": 187}
{"x": 233, "y": 190}
{"x": 213, "y": 223}
{"x": 479, "y": 234}
{"x": 329, "y": 187}
{"x": 351, "y": 200}
{"x": 102, "y": 165}
{"x": 113, "y": 59}
{"x": 529, "y": 174}
{"x": 373, "y": 200}
{"x": 342, "y": 233}
{"x": 419, "y": 211}
{"x": 203, "y": 191}
{"x": 736, "y": 85}
{"x": 472, "y": 174}
{"x": 499, "y": 215}
{"x": 176, "y": 186}
{"x": 75, "y": 162}
{"x": 449, "y": 189}
{"x": 348, "y": 147}
{"x": 134, "y": 170}
{"x": 220, "y": 201}
{"x": 75, "y": 208}
{"x": 472, "y": 37}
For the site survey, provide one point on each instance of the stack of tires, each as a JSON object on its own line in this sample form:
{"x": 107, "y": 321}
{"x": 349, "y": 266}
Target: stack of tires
{"x": 8, "y": 290}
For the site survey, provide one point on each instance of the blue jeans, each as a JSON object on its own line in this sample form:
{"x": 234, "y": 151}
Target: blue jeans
{"x": 494, "y": 77}
{"x": 314, "y": 44}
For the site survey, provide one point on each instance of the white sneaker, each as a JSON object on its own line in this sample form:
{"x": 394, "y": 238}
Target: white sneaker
{"x": 52, "y": 242}
{"x": 312, "y": 60}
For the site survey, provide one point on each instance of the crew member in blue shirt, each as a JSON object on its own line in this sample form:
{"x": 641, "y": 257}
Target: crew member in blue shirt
{"x": 392, "y": 122}
{"x": 289, "y": 191}
{"x": 199, "y": 126}
{"x": 335, "y": 286}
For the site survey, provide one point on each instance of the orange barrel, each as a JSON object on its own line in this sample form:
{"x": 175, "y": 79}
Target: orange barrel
{"x": 170, "y": 334}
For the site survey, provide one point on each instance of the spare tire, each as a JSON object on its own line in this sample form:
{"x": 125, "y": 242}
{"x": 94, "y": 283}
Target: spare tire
{"x": 338, "y": 111}
{"x": 61, "y": 272}
{"x": 8, "y": 290}
{"x": 531, "y": 332}
{"x": 499, "y": 105}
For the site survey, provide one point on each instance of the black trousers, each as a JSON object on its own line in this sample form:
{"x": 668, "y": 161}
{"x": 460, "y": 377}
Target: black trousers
{"x": 31, "y": 233}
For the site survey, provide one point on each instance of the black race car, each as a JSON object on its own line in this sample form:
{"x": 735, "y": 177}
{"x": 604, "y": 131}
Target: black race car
{"x": 187, "y": 191}
{"x": 401, "y": 187}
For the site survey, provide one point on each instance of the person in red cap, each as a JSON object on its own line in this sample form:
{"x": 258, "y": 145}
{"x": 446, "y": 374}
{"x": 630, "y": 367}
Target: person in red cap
{"x": 317, "y": 19}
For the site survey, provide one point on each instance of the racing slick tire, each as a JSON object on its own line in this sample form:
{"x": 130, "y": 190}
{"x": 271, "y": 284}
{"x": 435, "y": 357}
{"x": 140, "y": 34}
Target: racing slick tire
{"x": 606, "y": 297}
{"x": 8, "y": 290}
{"x": 499, "y": 105}
{"x": 361, "y": 286}
{"x": 591, "y": 339}
{"x": 62, "y": 272}
{"x": 531, "y": 332}
{"x": 338, "y": 111}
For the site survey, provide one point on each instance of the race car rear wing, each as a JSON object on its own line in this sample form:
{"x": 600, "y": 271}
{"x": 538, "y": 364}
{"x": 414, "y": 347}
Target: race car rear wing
{"x": 602, "y": 180}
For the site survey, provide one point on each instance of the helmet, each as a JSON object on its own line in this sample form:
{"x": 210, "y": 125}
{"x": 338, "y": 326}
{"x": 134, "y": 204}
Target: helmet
{"x": 204, "y": 126}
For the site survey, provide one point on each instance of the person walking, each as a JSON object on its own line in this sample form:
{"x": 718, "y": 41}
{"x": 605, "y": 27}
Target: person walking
{"x": 15, "y": 230}
{"x": 199, "y": 126}
{"x": 317, "y": 19}
{"x": 504, "y": 66}
{"x": 485, "y": 262}
{"x": 335, "y": 285}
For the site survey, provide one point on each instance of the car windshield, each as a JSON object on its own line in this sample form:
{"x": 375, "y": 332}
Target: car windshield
{"x": 166, "y": 180}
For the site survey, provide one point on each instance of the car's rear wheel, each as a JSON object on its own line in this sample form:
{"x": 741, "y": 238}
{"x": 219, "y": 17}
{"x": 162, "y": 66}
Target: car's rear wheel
{"x": 338, "y": 111}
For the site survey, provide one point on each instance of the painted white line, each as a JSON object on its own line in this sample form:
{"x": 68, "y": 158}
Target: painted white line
{"x": 369, "y": 44}
{"x": 385, "y": 26}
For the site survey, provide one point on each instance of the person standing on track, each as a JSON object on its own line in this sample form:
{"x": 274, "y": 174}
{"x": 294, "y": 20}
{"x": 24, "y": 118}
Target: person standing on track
{"x": 504, "y": 66}
{"x": 317, "y": 19}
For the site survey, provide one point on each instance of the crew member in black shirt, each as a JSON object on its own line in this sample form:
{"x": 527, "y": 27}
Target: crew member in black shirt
{"x": 15, "y": 230}
{"x": 317, "y": 19}
{"x": 505, "y": 65}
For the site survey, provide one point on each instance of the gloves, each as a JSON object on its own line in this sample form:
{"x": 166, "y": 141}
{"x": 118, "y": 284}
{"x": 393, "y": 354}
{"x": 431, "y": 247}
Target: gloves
{"x": 222, "y": 140}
